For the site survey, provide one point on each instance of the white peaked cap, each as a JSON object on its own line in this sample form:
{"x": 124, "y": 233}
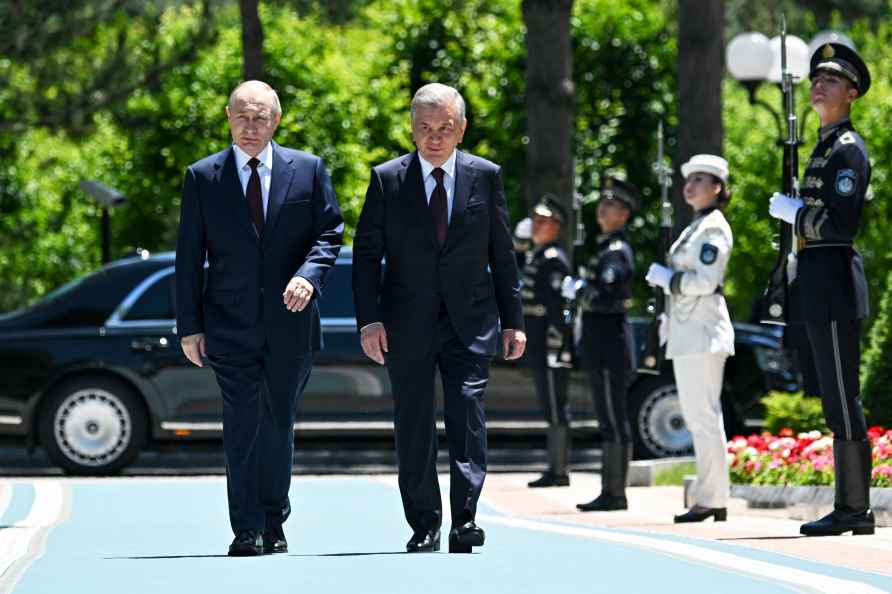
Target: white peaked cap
{"x": 711, "y": 164}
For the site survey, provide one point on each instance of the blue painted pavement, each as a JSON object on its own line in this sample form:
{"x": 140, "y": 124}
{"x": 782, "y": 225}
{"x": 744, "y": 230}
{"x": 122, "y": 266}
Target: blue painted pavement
{"x": 143, "y": 536}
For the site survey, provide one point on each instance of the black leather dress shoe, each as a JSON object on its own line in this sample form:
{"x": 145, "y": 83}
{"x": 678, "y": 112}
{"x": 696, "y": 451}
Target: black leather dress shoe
{"x": 604, "y": 503}
{"x": 549, "y": 479}
{"x": 462, "y": 538}
{"x": 838, "y": 522}
{"x": 698, "y": 514}
{"x": 247, "y": 543}
{"x": 424, "y": 542}
{"x": 274, "y": 541}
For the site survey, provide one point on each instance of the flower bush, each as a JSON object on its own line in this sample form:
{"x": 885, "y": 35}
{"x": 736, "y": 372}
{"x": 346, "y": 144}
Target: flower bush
{"x": 800, "y": 459}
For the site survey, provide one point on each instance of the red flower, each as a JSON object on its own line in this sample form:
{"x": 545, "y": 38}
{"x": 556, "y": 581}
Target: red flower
{"x": 876, "y": 432}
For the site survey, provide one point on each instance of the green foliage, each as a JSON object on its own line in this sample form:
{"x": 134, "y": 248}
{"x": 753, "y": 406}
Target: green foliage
{"x": 624, "y": 70}
{"x": 793, "y": 411}
{"x": 674, "y": 475}
{"x": 345, "y": 73}
{"x": 876, "y": 371}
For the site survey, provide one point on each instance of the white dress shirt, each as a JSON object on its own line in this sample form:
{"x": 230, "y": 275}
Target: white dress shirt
{"x": 430, "y": 182}
{"x": 264, "y": 170}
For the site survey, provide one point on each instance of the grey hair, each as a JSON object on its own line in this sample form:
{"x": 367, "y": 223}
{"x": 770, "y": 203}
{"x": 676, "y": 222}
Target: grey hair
{"x": 277, "y": 107}
{"x": 438, "y": 95}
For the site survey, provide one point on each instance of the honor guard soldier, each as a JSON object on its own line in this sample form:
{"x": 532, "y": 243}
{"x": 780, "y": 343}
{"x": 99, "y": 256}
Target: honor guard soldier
{"x": 607, "y": 345}
{"x": 543, "y": 311}
{"x": 697, "y": 328}
{"x": 832, "y": 288}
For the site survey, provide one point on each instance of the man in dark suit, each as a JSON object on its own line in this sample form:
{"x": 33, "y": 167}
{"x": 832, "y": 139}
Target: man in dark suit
{"x": 266, "y": 220}
{"x": 439, "y": 217}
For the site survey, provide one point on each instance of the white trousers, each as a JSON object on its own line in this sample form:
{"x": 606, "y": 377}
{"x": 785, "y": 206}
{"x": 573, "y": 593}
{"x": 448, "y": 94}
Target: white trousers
{"x": 699, "y": 381}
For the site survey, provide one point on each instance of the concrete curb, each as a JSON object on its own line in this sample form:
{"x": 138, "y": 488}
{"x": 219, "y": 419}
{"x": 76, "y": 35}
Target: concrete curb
{"x": 810, "y": 502}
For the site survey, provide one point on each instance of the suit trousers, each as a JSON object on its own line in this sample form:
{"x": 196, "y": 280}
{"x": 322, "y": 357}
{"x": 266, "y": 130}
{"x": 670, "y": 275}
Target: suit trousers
{"x": 835, "y": 347}
{"x": 464, "y": 376}
{"x": 699, "y": 380}
{"x": 260, "y": 394}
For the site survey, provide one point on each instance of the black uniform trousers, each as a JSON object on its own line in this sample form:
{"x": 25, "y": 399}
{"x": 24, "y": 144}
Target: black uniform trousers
{"x": 608, "y": 349}
{"x": 260, "y": 393}
{"x": 464, "y": 376}
{"x": 552, "y": 383}
{"x": 836, "y": 351}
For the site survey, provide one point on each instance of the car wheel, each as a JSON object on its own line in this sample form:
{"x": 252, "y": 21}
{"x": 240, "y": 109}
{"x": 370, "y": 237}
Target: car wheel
{"x": 657, "y": 423}
{"x": 92, "y": 425}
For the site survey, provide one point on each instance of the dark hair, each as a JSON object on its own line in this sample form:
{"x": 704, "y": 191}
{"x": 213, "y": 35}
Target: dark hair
{"x": 724, "y": 196}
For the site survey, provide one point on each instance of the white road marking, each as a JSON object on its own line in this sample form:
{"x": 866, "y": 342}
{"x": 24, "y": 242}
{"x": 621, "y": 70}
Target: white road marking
{"x": 800, "y": 580}
{"x": 23, "y": 542}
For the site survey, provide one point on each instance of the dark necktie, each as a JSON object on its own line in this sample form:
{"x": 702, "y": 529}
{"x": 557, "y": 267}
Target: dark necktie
{"x": 255, "y": 197}
{"x": 439, "y": 208}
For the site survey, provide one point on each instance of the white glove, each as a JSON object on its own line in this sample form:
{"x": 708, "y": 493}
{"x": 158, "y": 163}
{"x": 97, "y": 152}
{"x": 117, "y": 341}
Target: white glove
{"x": 569, "y": 287}
{"x": 524, "y": 229}
{"x": 663, "y": 330}
{"x": 659, "y": 276}
{"x": 784, "y": 207}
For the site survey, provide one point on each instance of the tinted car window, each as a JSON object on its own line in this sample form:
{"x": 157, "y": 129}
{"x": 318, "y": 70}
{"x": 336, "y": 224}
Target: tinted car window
{"x": 155, "y": 304}
{"x": 337, "y": 294}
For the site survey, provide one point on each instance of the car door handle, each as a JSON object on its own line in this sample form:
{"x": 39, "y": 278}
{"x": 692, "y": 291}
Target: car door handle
{"x": 150, "y": 344}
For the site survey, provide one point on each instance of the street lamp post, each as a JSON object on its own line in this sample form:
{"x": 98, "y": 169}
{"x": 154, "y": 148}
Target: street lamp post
{"x": 108, "y": 198}
{"x": 752, "y": 59}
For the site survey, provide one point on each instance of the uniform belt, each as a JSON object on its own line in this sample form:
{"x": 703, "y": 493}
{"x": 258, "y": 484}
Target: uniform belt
{"x": 820, "y": 244}
{"x": 536, "y": 311}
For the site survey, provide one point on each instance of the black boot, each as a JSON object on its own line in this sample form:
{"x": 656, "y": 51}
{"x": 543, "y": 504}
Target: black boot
{"x": 558, "y": 451}
{"x": 851, "y": 509}
{"x": 614, "y": 474}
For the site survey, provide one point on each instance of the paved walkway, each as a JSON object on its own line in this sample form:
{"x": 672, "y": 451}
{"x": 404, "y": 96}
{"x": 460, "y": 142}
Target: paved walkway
{"x": 346, "y": 535}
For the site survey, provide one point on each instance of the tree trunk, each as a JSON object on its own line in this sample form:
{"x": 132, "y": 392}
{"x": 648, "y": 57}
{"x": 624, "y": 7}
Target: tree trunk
{"x": 252, "y": 40}
{"x": 701, "y": 66}
{"x": 550, "y": 104}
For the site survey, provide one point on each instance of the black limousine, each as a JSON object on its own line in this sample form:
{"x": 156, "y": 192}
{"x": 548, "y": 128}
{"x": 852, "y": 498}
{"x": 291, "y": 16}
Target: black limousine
{"x": 93, "y": 372}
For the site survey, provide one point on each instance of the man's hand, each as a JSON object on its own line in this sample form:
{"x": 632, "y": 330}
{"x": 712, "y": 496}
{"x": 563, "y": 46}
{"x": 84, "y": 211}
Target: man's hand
{"x": 374, "y": 342}
{"x": 514, "y": 342}
{"x": 194, "y": 348}
{"x": 297, "y": 294}
{"x": 784, "y": 207}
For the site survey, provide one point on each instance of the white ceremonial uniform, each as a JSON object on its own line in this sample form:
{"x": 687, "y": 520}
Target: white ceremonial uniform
{"x": 700, "y": 339}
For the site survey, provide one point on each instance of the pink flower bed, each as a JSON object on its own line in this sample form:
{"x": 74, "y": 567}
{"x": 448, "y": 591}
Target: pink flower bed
{"x": 803, "y": 459}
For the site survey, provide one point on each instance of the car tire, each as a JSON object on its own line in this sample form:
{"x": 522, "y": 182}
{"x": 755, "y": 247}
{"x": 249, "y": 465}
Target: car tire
{"x": 658, "y": 426}
{"x": 92, "y": 426}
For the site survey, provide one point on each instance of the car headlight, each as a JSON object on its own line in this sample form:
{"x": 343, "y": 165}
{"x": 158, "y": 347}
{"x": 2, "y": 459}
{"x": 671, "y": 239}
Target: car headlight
{"x": 772, "y": 360}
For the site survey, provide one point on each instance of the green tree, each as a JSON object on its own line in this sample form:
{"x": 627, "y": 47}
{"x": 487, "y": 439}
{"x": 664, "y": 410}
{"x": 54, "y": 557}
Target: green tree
{"x": 876, "y": 371}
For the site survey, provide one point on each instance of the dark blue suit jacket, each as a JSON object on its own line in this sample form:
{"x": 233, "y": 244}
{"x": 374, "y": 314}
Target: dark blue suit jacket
{"x": 474, "y": 274}
{"x": 240, "y": 306}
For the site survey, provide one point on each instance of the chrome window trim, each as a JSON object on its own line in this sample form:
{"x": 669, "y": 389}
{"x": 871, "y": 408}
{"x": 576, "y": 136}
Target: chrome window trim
{"x": 116, "y": 319}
